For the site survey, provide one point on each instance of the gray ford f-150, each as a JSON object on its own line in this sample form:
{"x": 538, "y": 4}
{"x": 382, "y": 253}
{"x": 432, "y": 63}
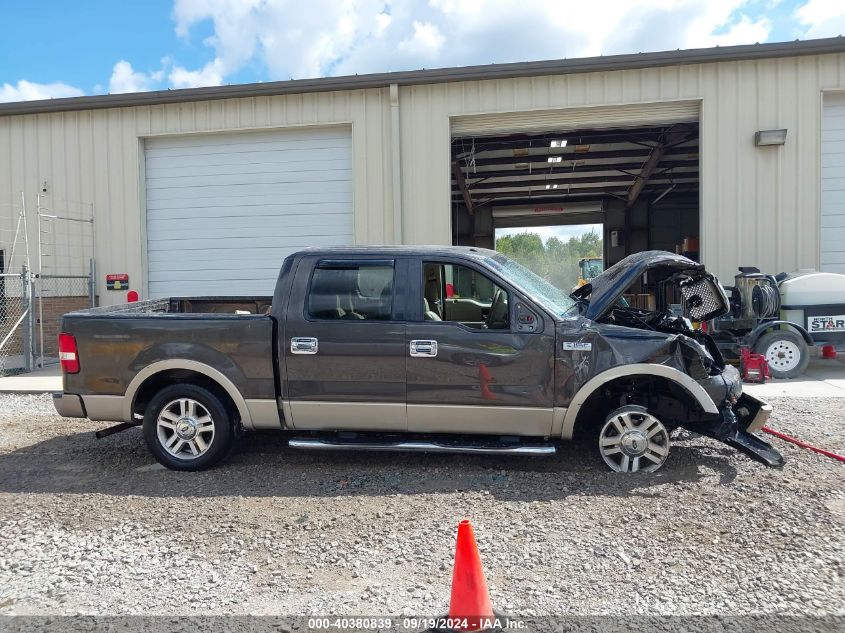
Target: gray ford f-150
{"x": 442, "y": 349}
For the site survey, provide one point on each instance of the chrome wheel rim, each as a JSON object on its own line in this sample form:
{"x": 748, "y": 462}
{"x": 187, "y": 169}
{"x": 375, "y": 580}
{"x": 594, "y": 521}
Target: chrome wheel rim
{"x": 185, "y": 428}
{"x": 634, "y": 441}
{"x": 783, "y": 355}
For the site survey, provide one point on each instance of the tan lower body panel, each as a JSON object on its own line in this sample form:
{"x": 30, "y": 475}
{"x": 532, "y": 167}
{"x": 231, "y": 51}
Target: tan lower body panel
{"x": 264, "y": 414}
{"x": 557, "y": 425}
{"x": 358, "y": 416}
{"x": 442, "y": 418}
{"x": 106, "y": 408}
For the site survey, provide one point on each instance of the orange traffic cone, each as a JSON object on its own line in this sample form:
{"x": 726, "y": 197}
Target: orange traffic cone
{"x": 470, "y": 599}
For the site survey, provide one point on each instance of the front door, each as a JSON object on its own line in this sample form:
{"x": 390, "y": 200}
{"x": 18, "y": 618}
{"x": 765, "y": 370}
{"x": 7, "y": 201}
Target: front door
{"x": 345, "y": 344}
{"x": 480, "y": 357}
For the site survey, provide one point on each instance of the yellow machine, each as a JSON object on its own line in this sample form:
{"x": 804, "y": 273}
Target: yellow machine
{"x": 589, "y": 267}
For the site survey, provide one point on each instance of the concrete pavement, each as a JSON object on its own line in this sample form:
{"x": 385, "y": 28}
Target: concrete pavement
{"x": 824, "y": 378}
{"x": 42, "y": 381}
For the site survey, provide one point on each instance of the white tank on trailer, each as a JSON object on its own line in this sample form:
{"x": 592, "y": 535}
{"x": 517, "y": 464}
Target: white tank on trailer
{"x": 802, "y": 290}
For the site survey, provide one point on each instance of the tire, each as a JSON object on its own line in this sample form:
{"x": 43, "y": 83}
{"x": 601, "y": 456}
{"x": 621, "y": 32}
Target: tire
{"x": 188, "y": 428}
{"x": 786, "y": 352}
{"x": 633, "y": 440}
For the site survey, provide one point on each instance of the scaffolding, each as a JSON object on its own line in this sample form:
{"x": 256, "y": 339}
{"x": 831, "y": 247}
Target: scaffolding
{"x": 64, "y": 280}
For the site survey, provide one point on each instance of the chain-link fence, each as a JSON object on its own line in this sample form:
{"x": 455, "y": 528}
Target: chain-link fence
{"x": 34, "y": 295}
{"x": 16, "y": 350}
{"x": 55, "y": 296}
{"x": 15, "y": 290}
{"x": 31, "y": 311}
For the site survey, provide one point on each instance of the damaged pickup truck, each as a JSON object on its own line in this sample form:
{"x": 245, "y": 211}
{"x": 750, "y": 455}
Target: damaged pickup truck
{"x": 432, "y": 349}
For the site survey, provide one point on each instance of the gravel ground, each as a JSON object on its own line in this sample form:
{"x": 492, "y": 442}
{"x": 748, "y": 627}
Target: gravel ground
{"x": 91, "y": 526}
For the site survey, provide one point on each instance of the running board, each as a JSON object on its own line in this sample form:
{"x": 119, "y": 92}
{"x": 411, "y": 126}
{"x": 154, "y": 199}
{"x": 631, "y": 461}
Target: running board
{"x": 420, "y": 447}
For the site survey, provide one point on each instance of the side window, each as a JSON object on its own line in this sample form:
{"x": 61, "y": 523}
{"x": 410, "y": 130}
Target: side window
{"x": 460, "y": 294}
{"x": 355, "y": 291}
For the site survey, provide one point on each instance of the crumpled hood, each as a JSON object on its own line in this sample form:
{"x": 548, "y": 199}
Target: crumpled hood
{"x": 606, "y": 289}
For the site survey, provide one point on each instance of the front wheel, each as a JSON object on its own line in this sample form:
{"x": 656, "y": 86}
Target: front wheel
{"x": 188, "y": 428}
{"x": 632, "y": 440}
{"x": 785, "y": 351}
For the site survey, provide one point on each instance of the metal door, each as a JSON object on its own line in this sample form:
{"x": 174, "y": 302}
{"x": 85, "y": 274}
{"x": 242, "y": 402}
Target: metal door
{"x": 344, "y": 371}
{"x": 476, "y": 380}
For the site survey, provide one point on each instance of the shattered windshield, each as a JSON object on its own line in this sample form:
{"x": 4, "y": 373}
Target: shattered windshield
{"x": 540, "y": 290}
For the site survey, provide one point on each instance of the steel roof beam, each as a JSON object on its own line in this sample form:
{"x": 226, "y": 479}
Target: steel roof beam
{"x": 568, "y": 157}
{"x": 679, "y": 163}
{"x": 675, "y": 136}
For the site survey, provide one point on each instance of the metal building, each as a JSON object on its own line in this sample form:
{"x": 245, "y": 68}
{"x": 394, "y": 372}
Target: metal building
{"x": 203, "y": 191}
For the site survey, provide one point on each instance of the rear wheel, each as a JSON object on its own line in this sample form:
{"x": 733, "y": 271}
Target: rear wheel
{"x": 188, "y": 428}
{"x": 785, "y": 351}
{"x": 632, "y": 440}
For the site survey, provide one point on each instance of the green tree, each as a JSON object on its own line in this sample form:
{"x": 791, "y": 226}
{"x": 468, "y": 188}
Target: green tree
{"x": 555, "y": 259}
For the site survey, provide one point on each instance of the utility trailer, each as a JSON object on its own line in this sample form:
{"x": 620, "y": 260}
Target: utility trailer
{"x": 781, "y": 317}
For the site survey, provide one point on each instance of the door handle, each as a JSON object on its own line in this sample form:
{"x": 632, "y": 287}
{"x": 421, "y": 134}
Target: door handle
{"x": 423, "y": 349}
{"x": 303, "y": 345}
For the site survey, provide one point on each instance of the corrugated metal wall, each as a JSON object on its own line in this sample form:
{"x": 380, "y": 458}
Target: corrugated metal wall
{"x": 760, "y": 206}
{"x": 97, "y": 156}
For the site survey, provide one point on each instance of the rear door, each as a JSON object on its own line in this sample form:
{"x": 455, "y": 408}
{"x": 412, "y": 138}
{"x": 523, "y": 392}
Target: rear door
{"x": 345, "y": 344}
{"x": 480, "y": 356}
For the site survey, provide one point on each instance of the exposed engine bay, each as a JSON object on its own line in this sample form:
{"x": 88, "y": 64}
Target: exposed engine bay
{"x": 701, "y": 298}
{"x": 707, "y": 361}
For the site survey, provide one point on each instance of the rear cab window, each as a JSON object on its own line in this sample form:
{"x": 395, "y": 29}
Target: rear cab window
{"x": 351, "y": 290}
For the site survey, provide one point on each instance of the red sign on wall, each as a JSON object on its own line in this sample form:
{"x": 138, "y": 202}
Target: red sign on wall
{"x": 119, "y": 281}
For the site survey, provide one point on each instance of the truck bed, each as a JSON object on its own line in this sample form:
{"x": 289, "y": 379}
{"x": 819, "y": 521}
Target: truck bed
{"x": 232, "y": 335}
{"x": 186, "y": 305}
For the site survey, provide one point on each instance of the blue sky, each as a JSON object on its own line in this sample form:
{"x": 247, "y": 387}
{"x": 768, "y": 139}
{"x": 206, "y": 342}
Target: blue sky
{"x": 55, "y": 48}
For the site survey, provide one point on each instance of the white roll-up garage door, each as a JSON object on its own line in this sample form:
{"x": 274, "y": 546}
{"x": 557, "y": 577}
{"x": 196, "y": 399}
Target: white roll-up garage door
{"x": 592, "y": 118}
{"x": 224, "y": 210}
{"x": 833, "y": 184}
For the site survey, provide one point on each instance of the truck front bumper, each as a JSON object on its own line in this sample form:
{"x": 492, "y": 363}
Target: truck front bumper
{"x": 68, "y": 405}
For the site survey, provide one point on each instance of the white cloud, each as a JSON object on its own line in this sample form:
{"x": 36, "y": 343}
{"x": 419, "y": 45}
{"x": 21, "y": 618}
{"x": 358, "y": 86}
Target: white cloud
{"x": 298, "y": 39}
{"x": 382, "y": 22}
{"x": 209, "y": 75}
{"x": 822, "y": 18}
{"x": 712, "y": 26}
{"x": 125, "y": 79}
{"x": 25, "y": 90}
{"x": 295, "y": 39}
{"x": 425, "y": 41}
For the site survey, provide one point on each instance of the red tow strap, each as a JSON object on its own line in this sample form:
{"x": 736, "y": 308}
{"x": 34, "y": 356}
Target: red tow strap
{"x": 798, "y": 442}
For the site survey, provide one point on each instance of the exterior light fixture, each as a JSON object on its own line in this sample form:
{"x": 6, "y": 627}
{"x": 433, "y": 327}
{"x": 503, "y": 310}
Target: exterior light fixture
{"x": 551, "y": 186}
{"x": 769, "y": 137}
{"x": 558, "y": 143}
{"x": 555, "y": 159}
